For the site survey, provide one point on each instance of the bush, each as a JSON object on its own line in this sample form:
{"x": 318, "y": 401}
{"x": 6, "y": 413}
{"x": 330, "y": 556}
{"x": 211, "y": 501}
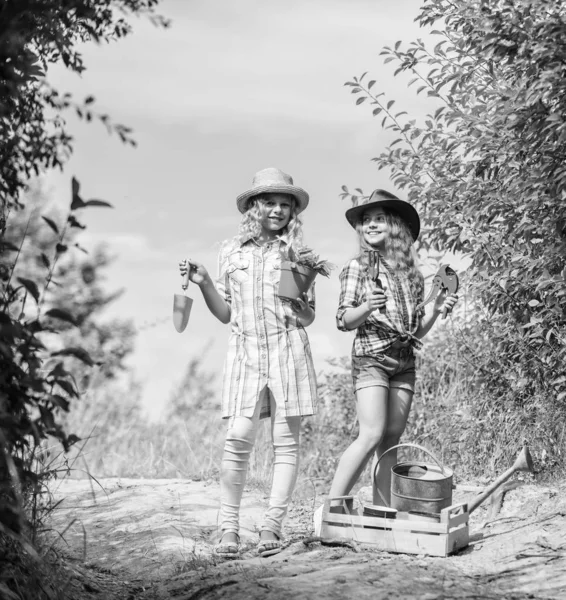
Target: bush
{"x": 487, "y": 171}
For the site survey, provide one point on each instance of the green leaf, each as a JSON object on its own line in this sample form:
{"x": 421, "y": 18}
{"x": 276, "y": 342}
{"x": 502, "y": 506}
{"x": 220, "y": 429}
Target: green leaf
{"x": 5, "y": 245}
{"x": 74, "y": 223}
{"x": 30, "y": 286}
{"x": 360, "y": 100}
{"x": 59, "y": 401}
{"x": 68, "y": 387}
{"x": 73, "y": 439}
{"x": 51, "y": 224}
{"x": 75, "y": 186}
{"x": 101, "y": 203}
{"x": 63, "y": 315}
{"x": 77, "y": 352}
{"x": 76, "y": 200}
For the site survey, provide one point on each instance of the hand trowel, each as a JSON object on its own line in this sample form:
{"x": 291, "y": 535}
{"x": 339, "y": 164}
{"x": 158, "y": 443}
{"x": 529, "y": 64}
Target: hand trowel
{"x": 182, "y": 305}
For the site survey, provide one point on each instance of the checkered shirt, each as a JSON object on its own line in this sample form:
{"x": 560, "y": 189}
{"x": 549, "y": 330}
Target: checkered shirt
{"x": 267, "y": 345}
{"x": 380, "y": 330}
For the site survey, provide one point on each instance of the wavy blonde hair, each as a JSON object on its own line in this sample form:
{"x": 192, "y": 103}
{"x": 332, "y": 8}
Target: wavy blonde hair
{"x": 250, "y": 225}
{"x": 401, "y": 256}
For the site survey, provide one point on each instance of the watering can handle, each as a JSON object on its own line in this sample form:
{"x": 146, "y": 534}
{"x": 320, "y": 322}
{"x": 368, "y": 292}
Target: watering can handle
{"x": 412, "y": 446}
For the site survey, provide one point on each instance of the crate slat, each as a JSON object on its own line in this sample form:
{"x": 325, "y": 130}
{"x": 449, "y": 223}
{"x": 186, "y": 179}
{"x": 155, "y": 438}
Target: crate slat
{"x": 382, "y": 523}
{"x": 390, "y": 540}
{"x": 402, "y": 535}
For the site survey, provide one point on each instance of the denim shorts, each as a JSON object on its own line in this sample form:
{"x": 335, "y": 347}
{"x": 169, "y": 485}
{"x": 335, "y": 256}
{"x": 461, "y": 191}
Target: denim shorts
{"x": 394, "y": 368}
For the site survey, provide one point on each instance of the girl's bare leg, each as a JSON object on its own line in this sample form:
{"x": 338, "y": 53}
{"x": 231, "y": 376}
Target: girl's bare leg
{"x": 399, "y": 406}
{"x": 372, "y": 408}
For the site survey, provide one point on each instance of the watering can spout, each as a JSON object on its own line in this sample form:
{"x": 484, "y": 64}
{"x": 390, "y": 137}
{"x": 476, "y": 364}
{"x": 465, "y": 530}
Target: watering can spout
{"x": 523, "y": 462}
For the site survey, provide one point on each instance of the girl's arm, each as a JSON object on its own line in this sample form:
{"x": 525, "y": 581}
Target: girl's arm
{"x": 357, "y": 301}
{"x": 442, "y": 301}
{"x": 354, "y": 317}
{"x": 215, "y": 302}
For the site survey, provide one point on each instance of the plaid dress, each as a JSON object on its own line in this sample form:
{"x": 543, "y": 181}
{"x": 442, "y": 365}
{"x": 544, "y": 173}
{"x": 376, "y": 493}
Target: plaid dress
{"x": 267, "y": 346}
{"x": 380, "y": 330}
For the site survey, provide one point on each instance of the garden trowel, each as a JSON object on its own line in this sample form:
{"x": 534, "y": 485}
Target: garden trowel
{"x": 182, "y": 305}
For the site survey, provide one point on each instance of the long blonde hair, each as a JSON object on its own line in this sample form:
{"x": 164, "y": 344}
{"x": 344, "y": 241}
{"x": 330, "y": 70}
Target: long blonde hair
{"x": 400, "y": 254}
{"x": 250, "y": 225}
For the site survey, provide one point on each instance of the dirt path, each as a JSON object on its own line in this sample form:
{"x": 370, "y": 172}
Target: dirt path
{"x": 152, "y": 539}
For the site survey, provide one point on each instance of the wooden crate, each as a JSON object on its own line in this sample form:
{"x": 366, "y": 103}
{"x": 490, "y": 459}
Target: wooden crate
{"x": 401, "y": 534}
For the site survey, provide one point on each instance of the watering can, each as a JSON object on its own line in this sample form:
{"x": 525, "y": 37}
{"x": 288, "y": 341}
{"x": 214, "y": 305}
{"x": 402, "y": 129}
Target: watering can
{"x": 426, "y": 488}
{"x": 418, "y": 486}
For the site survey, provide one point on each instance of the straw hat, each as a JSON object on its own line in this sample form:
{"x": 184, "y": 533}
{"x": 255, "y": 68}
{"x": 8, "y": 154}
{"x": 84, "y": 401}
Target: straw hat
{"x": 273, "y": 181}
{"x": 386, "y": 200}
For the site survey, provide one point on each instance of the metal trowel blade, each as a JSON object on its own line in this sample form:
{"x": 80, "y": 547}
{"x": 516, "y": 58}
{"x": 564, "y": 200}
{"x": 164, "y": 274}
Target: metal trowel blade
{"x": 181, "y": 311}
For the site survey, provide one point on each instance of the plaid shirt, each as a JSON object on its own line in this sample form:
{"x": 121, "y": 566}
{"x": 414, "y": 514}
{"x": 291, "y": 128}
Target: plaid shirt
{"x": 267, "y": 345}
{"x": 380, "y": 330}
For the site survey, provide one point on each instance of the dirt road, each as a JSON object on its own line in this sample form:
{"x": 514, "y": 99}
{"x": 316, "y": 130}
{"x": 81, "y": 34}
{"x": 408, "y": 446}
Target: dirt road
{"x": 152, "y": 539}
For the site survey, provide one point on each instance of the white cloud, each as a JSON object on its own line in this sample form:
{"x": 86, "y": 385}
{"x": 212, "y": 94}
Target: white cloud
{"x": 253, "y": 60}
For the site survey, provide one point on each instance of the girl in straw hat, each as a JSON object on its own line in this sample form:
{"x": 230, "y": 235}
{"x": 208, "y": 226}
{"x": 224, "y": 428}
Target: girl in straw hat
{"x": 384, "y": 312}
{"x": 269, "y": 369}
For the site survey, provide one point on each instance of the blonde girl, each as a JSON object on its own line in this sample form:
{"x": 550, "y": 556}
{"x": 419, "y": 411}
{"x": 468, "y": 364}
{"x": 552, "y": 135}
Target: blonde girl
{"x": 388, "y": 327}
{"x": 269, "y": 369}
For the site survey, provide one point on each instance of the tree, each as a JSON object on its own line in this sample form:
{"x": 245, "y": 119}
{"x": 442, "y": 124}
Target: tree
{"x": 34, "y": 137}
{"x": 77, "y": 288}
{"x": 33, "y": 35}
{"x": 487, "y": 171}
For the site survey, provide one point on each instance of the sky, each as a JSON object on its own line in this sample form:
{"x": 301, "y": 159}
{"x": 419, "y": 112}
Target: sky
{"x": 229, "y": 89}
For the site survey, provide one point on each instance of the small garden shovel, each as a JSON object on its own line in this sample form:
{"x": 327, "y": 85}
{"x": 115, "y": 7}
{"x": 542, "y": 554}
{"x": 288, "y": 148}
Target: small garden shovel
{"x": 182, "y": 306}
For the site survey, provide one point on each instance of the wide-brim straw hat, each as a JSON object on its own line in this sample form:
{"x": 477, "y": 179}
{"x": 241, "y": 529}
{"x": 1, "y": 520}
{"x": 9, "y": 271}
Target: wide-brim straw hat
{"x": 386, "y": 200}
{"x": 273, "y": 181}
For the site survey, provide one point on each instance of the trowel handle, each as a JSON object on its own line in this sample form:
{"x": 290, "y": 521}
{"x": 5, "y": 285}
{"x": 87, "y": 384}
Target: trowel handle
{"x": 185, "y": 283}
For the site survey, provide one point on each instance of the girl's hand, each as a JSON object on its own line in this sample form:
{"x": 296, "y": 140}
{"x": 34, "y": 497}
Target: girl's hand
{"x": 197, "y": 272}
{"x": 303, "y": 310}
{"x": 301, "y": 306}
{"x": 375, "y": 299}
{"x": 444, "y": 302}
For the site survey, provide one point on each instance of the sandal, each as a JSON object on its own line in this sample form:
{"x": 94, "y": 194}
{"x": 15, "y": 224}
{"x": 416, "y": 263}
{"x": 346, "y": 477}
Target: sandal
{"x": 228, "y": 549}
{"x": 269, "y": 547}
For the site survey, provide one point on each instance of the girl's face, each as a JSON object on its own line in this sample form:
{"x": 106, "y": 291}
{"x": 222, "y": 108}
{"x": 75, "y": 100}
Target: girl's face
{"x": 375, "y": 228}
{"x": 275, "y": 212}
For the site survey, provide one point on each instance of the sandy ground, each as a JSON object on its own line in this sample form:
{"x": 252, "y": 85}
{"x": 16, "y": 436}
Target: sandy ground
{"x": 152, "y": 539}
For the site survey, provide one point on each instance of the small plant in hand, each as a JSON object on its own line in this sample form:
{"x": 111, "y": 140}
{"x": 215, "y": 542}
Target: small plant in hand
{"x": 299, "y": 272}
{"x": 305, "y": 257}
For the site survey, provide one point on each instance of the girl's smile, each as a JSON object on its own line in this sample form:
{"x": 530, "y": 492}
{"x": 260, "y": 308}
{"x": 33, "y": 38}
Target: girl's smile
{"x": 375, "y": 228}
{"x": 275, "y": 212}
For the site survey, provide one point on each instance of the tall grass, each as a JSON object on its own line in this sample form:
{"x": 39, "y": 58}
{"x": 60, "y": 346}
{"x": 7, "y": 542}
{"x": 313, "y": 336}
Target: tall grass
{"x": 118, "y": 440}
{"x": 450, "y": 417}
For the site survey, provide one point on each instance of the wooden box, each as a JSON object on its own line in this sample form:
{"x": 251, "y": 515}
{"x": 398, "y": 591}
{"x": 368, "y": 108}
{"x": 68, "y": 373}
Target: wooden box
{"x": 402, "y": 534}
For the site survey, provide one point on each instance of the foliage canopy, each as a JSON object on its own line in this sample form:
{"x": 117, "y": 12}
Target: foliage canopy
{"x": 37, "y": 382}
{"x": 487, "y": 171}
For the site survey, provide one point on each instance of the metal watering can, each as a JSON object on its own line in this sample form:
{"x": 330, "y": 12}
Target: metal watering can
{"x": 417, "y": 486}
{"x": 427, "y": 488}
